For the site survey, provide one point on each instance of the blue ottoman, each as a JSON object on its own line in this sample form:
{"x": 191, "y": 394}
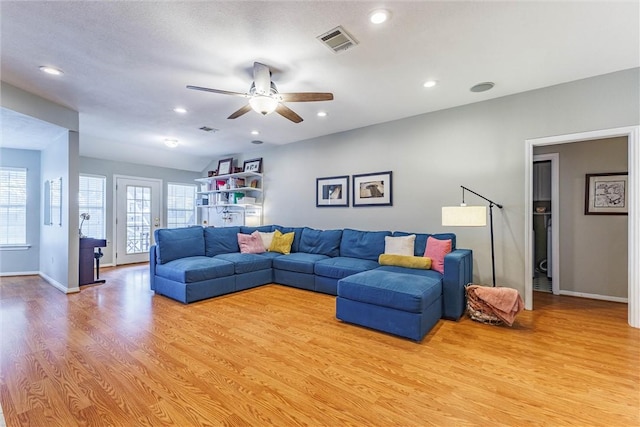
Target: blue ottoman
{"x": 402, "y": 304}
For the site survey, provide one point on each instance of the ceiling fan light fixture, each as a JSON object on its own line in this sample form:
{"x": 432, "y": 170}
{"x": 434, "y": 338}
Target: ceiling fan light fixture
{"x": 263, "y": 104}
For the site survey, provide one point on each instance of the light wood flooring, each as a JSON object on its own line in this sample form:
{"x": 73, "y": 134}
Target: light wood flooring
{"x": 116, "y": 354}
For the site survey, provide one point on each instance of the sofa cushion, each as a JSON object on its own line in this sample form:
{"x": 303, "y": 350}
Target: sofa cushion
{"x": 339, "y": 267}
{"x": 250, "y": 243}
{"x": 400, "y": 245}
{"x": 421, "y": 240}
{"x": 295, "y": 246}
{"x": 405, "y": 292}
{"x": 421, "y": 262}
{"x": 267, "y": 238}
{"x": 415, "y": 271}
{"x": 322, "y": 242}
{"x": 281, "y": 243}
{"x": 245, "y": 263}
{"x": 174, "y": 243}
{"x": 436, "y": 250}
{"x": 299, "y": 262}
{"x": 362, "y": 244}
{"x": 221, "y": 240}
{"x": 195, "y": 269}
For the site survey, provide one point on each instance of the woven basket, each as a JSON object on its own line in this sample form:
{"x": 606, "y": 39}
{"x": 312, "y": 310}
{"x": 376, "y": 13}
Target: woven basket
{"x": 479, "y": 315}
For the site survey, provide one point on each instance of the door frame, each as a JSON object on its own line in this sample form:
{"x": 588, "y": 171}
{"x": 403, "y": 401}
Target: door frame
{"x": 160, "y": 182}
{"x": 632, "y": 133}
{"x": 554, "y": 158}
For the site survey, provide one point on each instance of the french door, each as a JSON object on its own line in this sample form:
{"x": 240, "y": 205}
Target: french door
{"x": 137, "y": 208}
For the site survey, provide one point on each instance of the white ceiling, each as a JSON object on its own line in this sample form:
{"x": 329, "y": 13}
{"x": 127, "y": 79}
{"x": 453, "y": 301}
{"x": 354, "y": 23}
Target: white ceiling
{"x": 127, "y": 64}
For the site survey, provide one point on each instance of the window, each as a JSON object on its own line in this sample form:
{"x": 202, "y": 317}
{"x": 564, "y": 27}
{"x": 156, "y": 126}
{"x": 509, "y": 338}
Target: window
{"x": 91, "y": 200}
{"x": 13, "y": 206}
{"x": 181, "y": 205}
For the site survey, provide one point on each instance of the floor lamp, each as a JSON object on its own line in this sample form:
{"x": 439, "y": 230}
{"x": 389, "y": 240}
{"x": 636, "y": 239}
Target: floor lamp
{"x": 472, "y": 216}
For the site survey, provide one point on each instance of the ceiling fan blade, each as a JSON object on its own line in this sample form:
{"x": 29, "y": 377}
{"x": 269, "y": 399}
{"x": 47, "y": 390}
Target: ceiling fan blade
{"x": 240, "y": 112}
{"x": 288, "y": 113}
{"x": 261, "y": 78}
{"x": 306, "y": 96}
{"x": 223, "y": 92}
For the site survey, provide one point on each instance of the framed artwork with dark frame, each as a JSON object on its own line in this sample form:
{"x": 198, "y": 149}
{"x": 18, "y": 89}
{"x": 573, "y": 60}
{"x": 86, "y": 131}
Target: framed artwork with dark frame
{"x": 332, "y": 192}
{"x": 606, "y": 194}
{"x": 254, "y": 165}
{"x": 225, "y": 166}
{"x": 372, "y": 189}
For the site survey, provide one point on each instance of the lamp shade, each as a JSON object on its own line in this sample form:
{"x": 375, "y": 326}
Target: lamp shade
{"x": 464, "y": 216}
{"x": 263, "y": 104}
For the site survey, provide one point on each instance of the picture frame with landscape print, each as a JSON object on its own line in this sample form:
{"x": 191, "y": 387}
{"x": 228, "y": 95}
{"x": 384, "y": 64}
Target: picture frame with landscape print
{"x": 332, "y": 192}
{"x": 372, "y": 189}
{"x": 225, "y": 166}
{"x": 606, "y": 194}
{"x": 253, "y": 165}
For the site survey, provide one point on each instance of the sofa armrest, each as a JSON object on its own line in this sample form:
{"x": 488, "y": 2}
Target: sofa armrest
{"x": 458, "y": 272}
{"x": 152, "y": 267}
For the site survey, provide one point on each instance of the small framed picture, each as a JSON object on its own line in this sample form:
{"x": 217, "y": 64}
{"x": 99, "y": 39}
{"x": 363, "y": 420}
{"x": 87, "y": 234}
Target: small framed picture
{"x": 332, "y": 192}
{"x": 606, "y": 194}
{"x": 225, "y": 166}
{"x": 372, "y": 189}
{"x": 254, "y": 165}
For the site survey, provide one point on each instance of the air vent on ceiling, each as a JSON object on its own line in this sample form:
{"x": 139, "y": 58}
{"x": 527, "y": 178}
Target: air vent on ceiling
{"x": 208, "y": 129}
{"x": 337, "y": 40}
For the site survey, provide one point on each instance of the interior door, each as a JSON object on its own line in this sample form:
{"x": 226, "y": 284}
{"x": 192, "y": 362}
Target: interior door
{"x": 138, "y": 202}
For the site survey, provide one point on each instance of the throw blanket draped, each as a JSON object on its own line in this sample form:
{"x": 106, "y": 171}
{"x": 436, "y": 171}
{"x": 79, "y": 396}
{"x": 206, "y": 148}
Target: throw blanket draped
{"x": 504, "y": 303}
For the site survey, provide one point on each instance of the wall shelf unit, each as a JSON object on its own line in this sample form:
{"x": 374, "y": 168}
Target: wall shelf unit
{"x": 231, "y": 199}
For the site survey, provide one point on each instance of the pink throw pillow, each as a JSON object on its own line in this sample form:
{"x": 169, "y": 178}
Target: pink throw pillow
{"x": 250, "y": 243}
{"x": 436, "y": 250}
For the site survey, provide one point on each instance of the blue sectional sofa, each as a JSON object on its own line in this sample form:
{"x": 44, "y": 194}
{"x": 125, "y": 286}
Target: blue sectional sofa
{"x": 195, "y": 263}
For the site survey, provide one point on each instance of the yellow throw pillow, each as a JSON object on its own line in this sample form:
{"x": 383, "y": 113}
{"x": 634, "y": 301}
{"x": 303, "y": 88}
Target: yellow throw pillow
{"x": 282, "y": 242}
{"x": 420, "y": 262}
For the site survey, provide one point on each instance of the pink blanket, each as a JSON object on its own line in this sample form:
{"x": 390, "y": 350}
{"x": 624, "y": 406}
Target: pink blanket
{"x": 504, "y": 303}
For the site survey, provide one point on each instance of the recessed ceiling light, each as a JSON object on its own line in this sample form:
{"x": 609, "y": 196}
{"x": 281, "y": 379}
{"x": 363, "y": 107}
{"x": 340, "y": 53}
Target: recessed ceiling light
{"x": 256, "y": 142}
{"x": 482, "y": 87}
{"x": 51, "y": 70}
{"x": 322, "y": 114}
{"x": 171, "y": 143}
{"x": 255, "y": 132}
{"x": 379, "y": 16}
{"x": 430, "y": 83}
{"x": 180, "y": 110}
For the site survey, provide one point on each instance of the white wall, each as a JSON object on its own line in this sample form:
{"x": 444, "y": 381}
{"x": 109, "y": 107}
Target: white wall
{"x": 593, "y": 248}
{"x": 25, "y": 261}
{"x": 59, "y": 244}
{"x": 480, "y": 146}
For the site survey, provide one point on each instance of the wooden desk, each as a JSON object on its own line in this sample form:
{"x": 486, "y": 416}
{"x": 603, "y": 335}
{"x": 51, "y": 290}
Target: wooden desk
{"x": 87, "y": 249}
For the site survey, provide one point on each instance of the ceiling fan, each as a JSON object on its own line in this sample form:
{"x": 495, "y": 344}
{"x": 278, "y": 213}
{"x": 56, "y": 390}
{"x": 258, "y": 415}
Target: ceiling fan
{"x": 264, "y": 97}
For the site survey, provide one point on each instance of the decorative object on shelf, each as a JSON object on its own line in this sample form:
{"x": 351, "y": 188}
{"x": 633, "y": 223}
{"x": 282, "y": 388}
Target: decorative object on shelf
{"x": 332, "y": 191}
{"x": 606, "y": 194}
{"x": 237, "y": 169}
{"x": 212, "y": 173}
{"x": 84, "y": 216}
{"x": 254, "y": 165}
{"x": 541, "y": 209}
{"x": 372, "y": 189}
{"x": 225, "y": 166}
{"x": 471, "y": 216}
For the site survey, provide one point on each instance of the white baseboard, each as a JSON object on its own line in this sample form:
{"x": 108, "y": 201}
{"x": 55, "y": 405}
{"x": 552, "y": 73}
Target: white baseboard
{"x": 59, "y": 286}
{"x": 20, "y": 273}
{"x": 107, "y": 265}
{"x": 594, "y": 296}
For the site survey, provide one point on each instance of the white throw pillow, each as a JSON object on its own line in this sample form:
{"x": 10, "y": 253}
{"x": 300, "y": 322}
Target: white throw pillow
{"x": 401, "y": 245}
{"x": 266, "y": 239}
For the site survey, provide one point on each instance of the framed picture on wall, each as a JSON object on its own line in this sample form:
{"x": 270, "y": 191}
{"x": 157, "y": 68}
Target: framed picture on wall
{"x": 254, "y": 165}
{"x": 606, "y": 194}
{"x": 332, "y": 192}
{"x": 372, "y": 189}
{"x": 225, "y": 166}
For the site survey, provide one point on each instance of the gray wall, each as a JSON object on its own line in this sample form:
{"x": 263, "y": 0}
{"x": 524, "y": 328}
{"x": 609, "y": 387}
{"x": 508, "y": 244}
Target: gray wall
{"x": 593, "y": 248}
{"x": 25, "y": 261}
{"x": 480, "y": 146}
{"x": 108, "y": 169}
